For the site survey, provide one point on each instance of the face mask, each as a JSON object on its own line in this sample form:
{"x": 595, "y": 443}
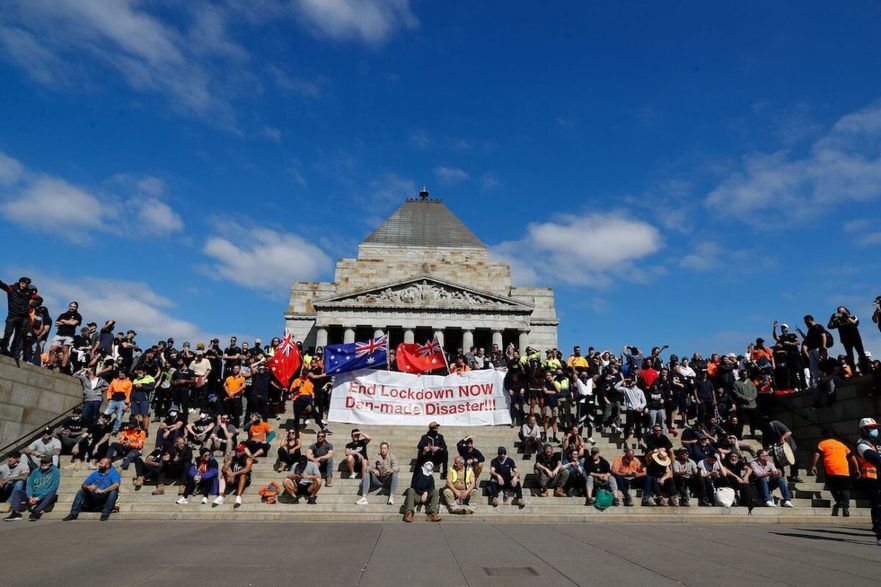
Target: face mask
{"x": 873, "y": 433}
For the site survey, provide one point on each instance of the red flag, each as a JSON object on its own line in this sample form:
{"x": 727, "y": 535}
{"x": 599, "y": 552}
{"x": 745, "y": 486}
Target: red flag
{"x": 286, "y": 361}
{"x": 420, "y": 358}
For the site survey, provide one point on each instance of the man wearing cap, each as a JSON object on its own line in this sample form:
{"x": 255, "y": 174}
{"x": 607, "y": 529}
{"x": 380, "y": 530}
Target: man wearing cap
{"x": 869, "y": 461}
{"x": 432, "y": 447}
{"x": 473, "y": 458}
{"x": 422, "y": 490}
{"x": 44, "y": 446}
{"x": 17, "y": 297}
{"x": 503, "y": 475}
{"x": 39, "y": 493}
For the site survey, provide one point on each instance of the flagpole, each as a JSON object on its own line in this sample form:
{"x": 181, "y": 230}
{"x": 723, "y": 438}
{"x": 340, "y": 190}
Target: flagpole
{"x": 443, "y": 354}
{"x": 388, "y": 365}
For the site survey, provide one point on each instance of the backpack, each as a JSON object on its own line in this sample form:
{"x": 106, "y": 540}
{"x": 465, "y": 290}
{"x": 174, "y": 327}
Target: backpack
{"x": 749, "y": 496}
{"x": 270, "y": 493}
{"x": 830, "y": 339}
{"x": 604, "y": 499}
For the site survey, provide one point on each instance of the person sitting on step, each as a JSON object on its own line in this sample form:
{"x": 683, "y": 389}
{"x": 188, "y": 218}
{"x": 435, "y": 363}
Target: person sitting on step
{"x": 530, "y": 437}
{"x": 321, "y": 453}
{"x": 572, "y": 442}
{"x": 224, "y": 436}
{"x": 289, "y": 451}
{"x": 571, "y": 478}
{"x": 473, "y": 458}
{"x": 39, "y": 492}
{"x": 628, "y": 472}
{"x": 260, "y": 435}
{"x": 547, "y": 465}
{"x": 599, "y": 476}
{"x": 202, "y": 478}
{"x": 685, "y": 477}
{"x": 658, "y": 479}
{"x": 432, "y": 447}
{"x": 460, "y": 487}
{"x": 384, "y": 473}
{"x": 503, "y": 475}
{"x": 422, "y": 490}
{"x": 237, "y": 474}
{"x": 128, "y": 444}
{"x": 303, "y": 481}
{"x": 356, "y": 454}
{"x": 169, "y": 463}
{"x": 768, "y": 477}
{"x": 100, "y": 490}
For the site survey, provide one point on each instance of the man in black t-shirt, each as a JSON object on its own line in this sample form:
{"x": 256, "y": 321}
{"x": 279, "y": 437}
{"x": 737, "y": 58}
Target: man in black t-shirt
{"x": 547, "y": 466}
{"x": 503, "y": 475}
{"x": 599, "y": 476}
{"x": 656, "y": 439}
{"x": 182, "y": 381}
{"x": 817, "y": 338}
{"x": 356, "y": 453}
{"x": 66, "y": 324}
{"x": 71, "y": 431}
{"x": 232, "y": 356}
{"x": 473, "y": 457}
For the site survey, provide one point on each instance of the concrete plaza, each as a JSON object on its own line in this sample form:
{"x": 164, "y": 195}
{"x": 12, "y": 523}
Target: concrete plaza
{"x": 383, "y": 554}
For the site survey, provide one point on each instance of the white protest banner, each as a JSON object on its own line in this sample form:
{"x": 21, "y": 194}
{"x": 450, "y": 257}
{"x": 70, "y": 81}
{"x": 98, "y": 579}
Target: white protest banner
{"x": 476, "y": 398}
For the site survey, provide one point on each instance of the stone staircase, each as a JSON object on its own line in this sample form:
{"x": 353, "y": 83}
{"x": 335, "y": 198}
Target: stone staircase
{"x": 812, "y": 502}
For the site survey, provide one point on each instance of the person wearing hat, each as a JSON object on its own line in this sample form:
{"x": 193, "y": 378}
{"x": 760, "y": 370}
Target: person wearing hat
{"x": 422, "y": 490}
{"x": 868, "y": 462}
{"x": 658, "y": 481}
{"x": 432, "y": 447}
{"x": 504, "y": 476}
{"x": 129, "y": 443}
{"x": 38, "y": 493}
{"x": 17, "y": 297}
{"x": 44, "y": 446}
{"x": 236, "y": 474}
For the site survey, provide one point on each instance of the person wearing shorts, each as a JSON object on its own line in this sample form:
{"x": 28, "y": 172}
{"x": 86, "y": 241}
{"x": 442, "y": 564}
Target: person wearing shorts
{"x": 66, "y": 324}
{"x": 550, "y": 411}
{"x": 142, "y": 388}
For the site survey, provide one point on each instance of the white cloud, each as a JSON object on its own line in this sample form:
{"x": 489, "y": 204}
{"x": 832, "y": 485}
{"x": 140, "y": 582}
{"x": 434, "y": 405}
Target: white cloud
{"x": 271, "y": 133}
{"x": 703, "y": 257}
{"x": 784, "y": 187}
{"x": 369, "y": 21}
{"x": 262, "y": 259}
{"x": 450, "y": 175}
{"x": 490, "y": 181}
{"x": 131, "y": 304}
{"x": 590, "y": 249}
{"x": 10, "y": 170}
{"x": 193, "y": 62}
{"x": 45, "y": 203}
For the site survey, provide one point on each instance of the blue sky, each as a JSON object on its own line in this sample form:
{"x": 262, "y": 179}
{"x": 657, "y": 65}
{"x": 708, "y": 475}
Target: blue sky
{"x": 680, "y": 174}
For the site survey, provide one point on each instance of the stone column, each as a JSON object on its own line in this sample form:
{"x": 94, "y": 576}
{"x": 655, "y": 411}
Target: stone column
{"x": 467, "y": 340}
{"x": 377, "y": 333}
{"x": 498, "y": 340}
{"x": 439, "y": 335}
{"x": 409, "y": 336}
{"x": 321, "y": 337}
{"x": 349, "y": 336}
{"x": 524, "y": 340}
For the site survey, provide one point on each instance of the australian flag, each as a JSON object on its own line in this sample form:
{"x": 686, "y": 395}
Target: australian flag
{"x": 342, "y": 358}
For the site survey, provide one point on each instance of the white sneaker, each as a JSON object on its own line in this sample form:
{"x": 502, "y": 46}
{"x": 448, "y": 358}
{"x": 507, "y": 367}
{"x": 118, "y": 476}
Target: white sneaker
{"x": 204, "y": 500}
{"x": 770, "y": 504}
{"x": 788, "y": 504}
{"x": 362, "y": 501}
{"x": 391, "y": 500}
{"x": 218, "y": 500}
{"x": 591, "y": 440}
{"x": 182, "y": 501}
{"x": 238, "y": 501}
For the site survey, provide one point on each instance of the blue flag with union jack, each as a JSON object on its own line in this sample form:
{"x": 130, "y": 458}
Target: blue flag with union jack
{"x": 342, "y": 358}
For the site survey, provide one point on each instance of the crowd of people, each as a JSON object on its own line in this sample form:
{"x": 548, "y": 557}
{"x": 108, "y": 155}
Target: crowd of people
{"x": 214, "y": 402}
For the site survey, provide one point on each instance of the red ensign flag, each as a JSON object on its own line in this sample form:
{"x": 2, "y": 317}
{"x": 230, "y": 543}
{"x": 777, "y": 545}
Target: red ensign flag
{"x": 420, "y": 358}
{"x": 285, "y": 363}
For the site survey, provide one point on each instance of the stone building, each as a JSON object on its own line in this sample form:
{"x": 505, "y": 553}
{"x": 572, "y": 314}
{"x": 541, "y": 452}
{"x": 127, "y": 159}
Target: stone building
{"x": 421, "y": 274}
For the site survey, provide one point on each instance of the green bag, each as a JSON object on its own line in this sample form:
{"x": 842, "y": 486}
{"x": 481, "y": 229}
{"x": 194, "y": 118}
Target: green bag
{"x": 604, "y": 499}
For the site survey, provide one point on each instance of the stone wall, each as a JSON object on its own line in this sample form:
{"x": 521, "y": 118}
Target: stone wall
{"x": 31, "y": 396}
{"x": 855, "y": 400}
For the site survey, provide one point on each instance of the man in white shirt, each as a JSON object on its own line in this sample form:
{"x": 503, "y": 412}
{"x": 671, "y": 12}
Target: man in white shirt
{"x": 530, "y": 437}
{"x": 46, "y": 445}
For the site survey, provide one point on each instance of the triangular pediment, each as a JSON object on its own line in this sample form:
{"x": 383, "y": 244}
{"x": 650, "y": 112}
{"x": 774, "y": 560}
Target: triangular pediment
{"x": 425, "y": 292}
